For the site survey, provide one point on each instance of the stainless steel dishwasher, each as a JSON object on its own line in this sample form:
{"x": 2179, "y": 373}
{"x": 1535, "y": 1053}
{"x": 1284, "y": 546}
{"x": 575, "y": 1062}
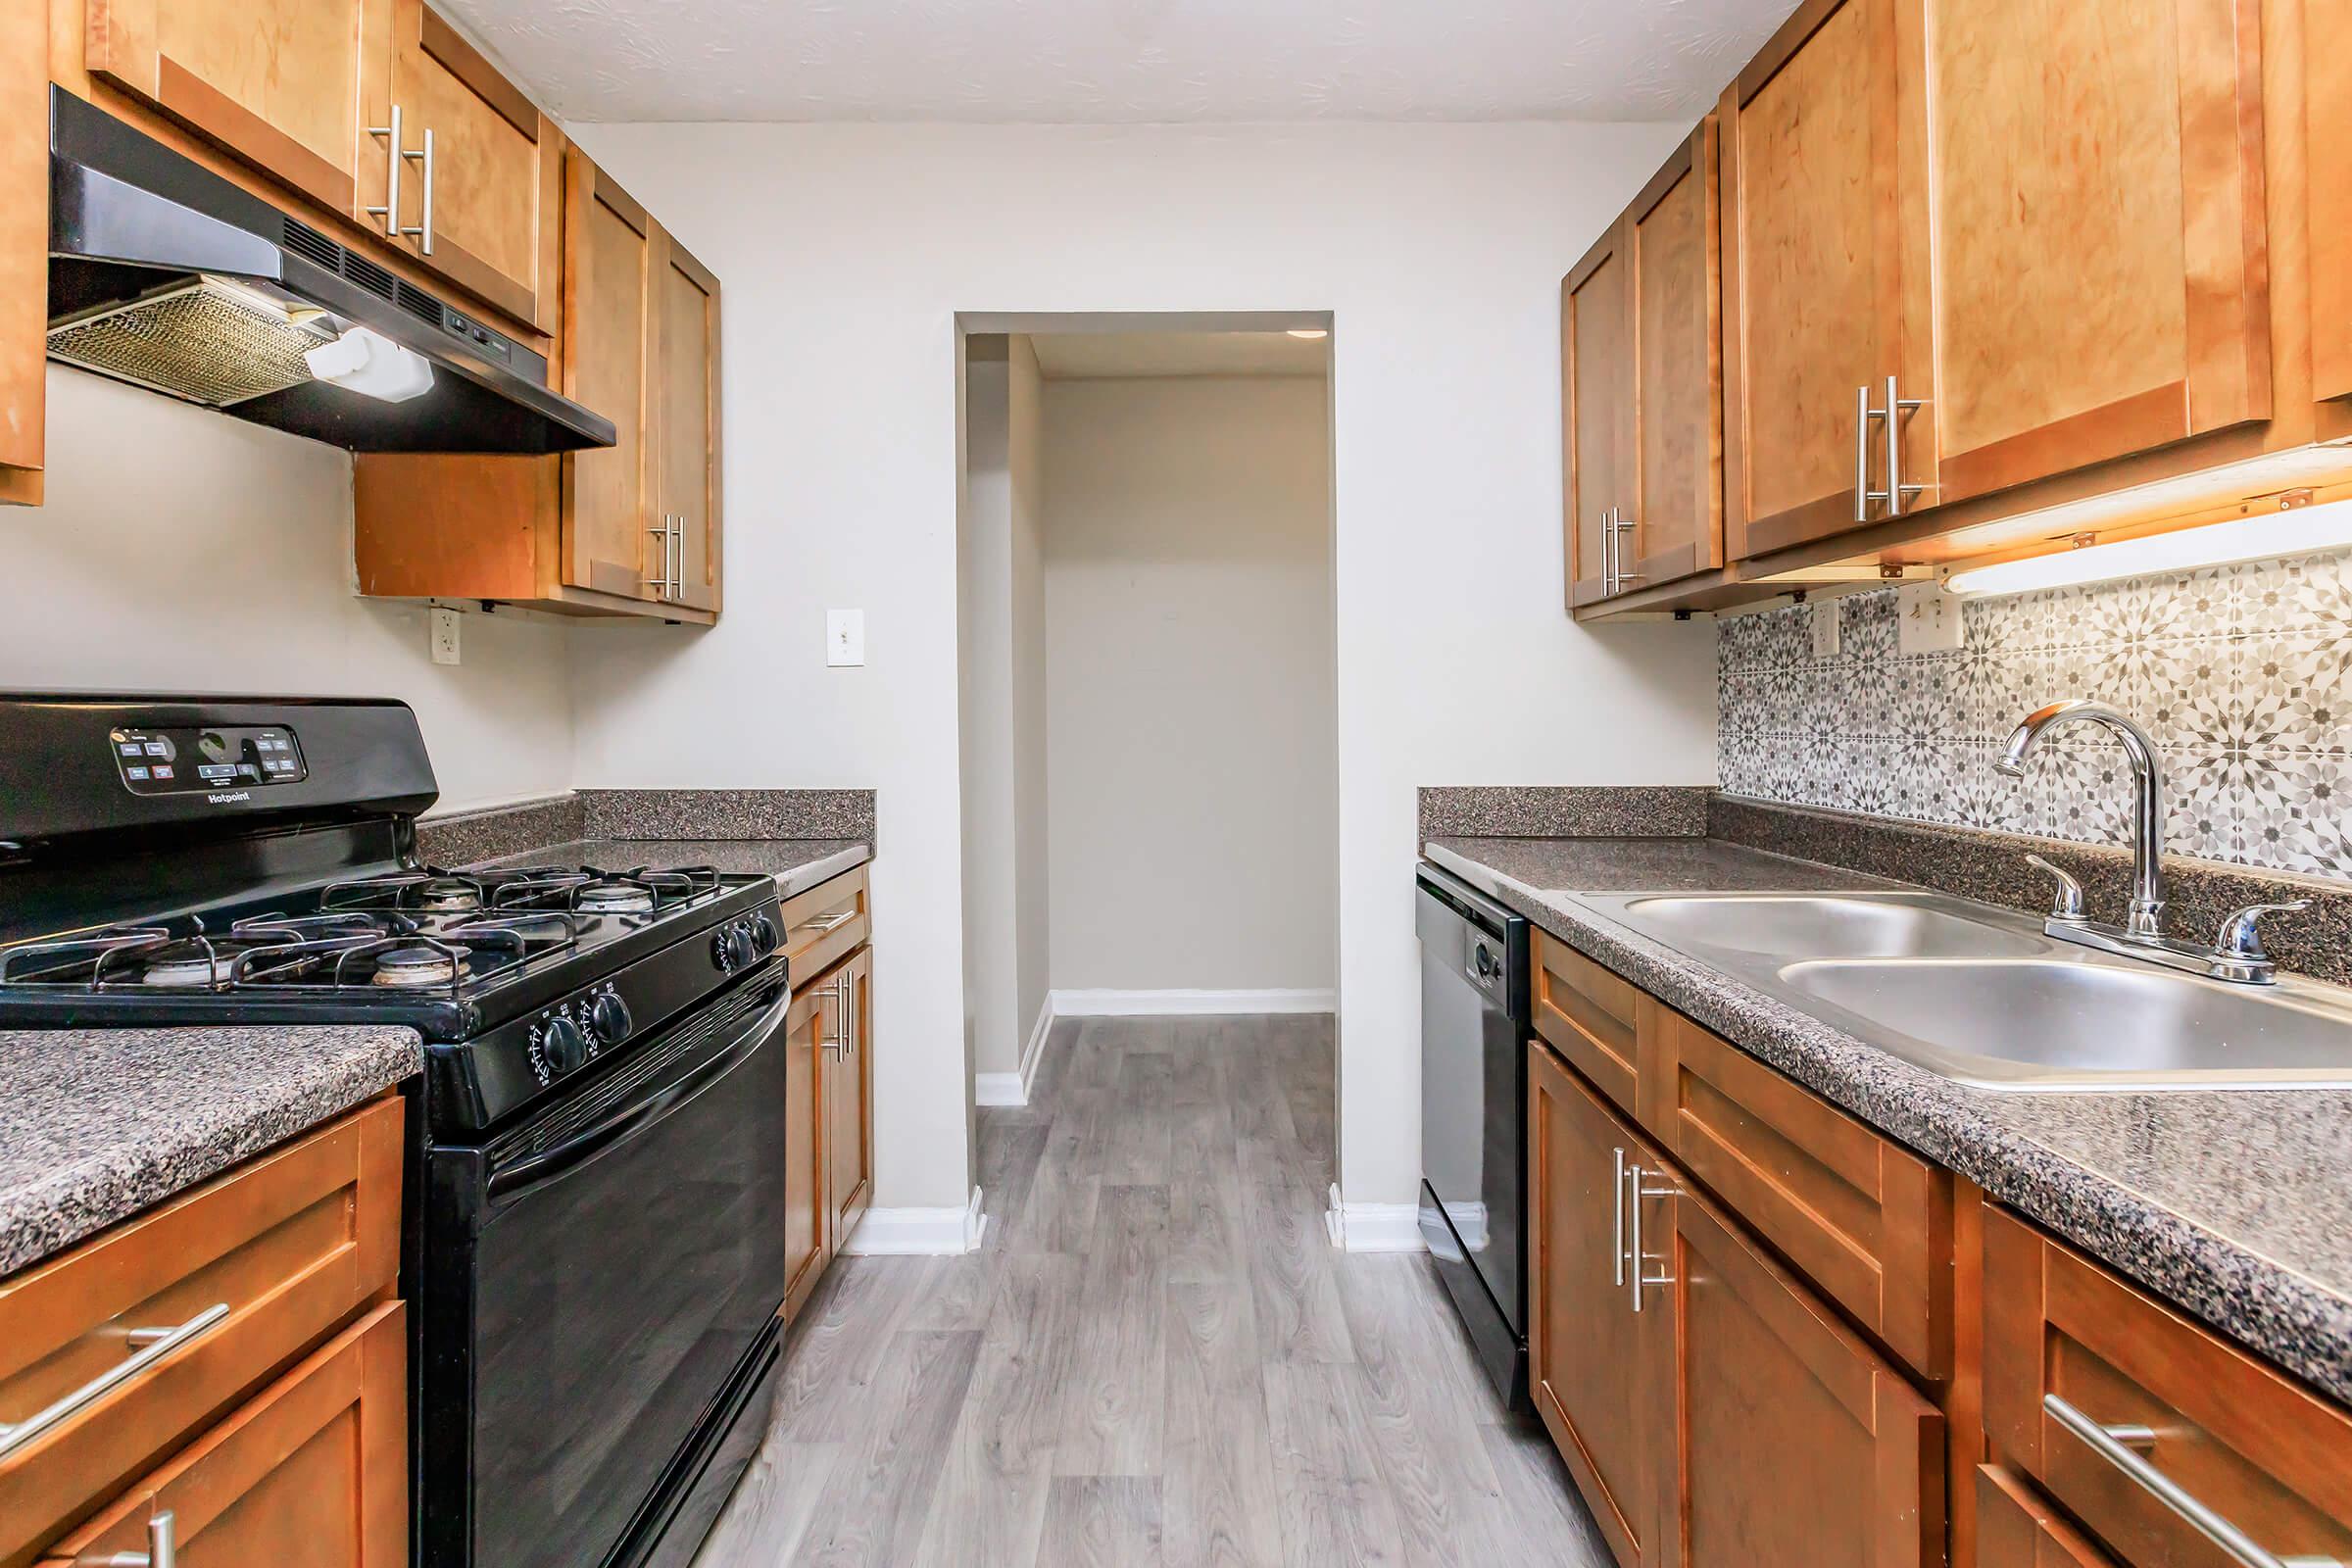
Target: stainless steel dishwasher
{"x": 1475, "y": 1025}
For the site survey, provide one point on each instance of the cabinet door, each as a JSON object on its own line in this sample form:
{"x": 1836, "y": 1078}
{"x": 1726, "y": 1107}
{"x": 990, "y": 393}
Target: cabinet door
{"x": 808, "y": 1033}
{"x": 1583, "y": 1345}
{"x": 1673, "y": 256}
{"x": 23, "y": 249}
{"x": 1596, "y": 391}
{"x": 686, "y": 394}
{"x": 1815, "y": 237}
{"x": 613, "y": 540}
{"x": 2099, "y": 268}
{"x": 276, "y": 82}
{"x": 488, "y": 200}
{"x": 1786, "y": 1442}
{"x": 2016, "y": 1528}
{"x": 849, "y": 1074}
{"x": 315, "y": 1470}
{"x": 2328, "y": 108}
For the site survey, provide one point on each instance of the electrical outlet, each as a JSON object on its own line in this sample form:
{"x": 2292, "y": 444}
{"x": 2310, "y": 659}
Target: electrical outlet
{"x": 1825, "y": 628}
{"x": 1927, "y": 619}
{"x": 444, "y": 636}
{"x": 845, "y": 637}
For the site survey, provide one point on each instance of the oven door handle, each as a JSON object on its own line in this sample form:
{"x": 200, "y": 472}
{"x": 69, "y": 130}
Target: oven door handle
{"x": 632, "y": 1115}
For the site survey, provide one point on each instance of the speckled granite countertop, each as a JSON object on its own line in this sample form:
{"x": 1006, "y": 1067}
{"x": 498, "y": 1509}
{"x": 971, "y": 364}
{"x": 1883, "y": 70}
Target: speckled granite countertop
{"x": 2237, "y": 1204}
{"x": 96, "y": 1124}
{"x": 796, "y": 863}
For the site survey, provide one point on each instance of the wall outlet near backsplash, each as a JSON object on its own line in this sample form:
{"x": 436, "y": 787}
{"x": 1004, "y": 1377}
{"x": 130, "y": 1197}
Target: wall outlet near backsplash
{"x": 2242, "y": 675}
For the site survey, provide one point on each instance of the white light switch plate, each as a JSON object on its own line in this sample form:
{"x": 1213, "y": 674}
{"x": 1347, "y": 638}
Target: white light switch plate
{"x": 1927, "y": 619}
{"x": 1825, "y": 628}
{"x": 845, "y": 637}
{"x": 444, "y": 636}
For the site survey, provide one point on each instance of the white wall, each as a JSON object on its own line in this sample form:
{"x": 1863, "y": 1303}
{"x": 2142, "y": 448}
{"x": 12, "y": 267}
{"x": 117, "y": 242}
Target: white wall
{"x": 1191, "y": 714}
{"x": 1032, "y": 899}
{"x": 184, "y": 551}
{"x": 847, "y": 252}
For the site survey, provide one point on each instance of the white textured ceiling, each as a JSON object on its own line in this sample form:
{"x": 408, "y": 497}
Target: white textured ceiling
{"x": 1115, "y": 61}
{"x": 1075, "y": 356}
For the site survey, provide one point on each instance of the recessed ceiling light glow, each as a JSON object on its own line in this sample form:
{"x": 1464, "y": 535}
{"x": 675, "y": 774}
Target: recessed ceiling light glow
{"x": 2305, "y": 530}
{"x": 1309, "y": 333}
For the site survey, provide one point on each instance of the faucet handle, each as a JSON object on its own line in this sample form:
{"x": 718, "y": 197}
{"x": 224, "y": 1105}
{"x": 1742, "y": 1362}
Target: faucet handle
{"x": 2239, "y": 936}
{"x": 2067, "y": 903}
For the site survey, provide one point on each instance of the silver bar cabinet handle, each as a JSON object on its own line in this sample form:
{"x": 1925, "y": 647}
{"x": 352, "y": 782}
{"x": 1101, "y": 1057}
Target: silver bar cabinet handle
{"x": 1864, "y": 413}
{"x": 152, "y": 1345}
{"x": 662, "y": 585}
{"x": 677, "y": 555}
{"x": 390, "y": 211}
{"x": 1617, "y": 1221}
{"x": 425, "y": 230}
{"x": 1897, "y": 492}
{"x": 160, "y": 1552}
{"x": 1620, "y": 527}
{"x": 1635, "y": 1190}
{"x": 2114, "y": 1445}
{"x": 1608, "y": 551}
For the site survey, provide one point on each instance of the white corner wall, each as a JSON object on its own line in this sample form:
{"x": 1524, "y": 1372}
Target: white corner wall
{"x": 1191, "y": 703}
{"x": 847, "y": 251}
{"x": 984, "y": 717}
{"x": 184, "y": 551}
{"x": 1032, "y": 899}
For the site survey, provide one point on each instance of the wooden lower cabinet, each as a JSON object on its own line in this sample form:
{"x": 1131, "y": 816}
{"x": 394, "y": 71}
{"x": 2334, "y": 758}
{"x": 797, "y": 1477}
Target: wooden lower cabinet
{"x": 313, "y": 1470}
{"x": 1583, "y": 1343}
{"x": 1711, "y": 1408}
{"x": 848, "y": 1096}
{"x": 829, "y": 1106}
{"x": 806, "y": 1233}
{"x": 2017, "y": 1527}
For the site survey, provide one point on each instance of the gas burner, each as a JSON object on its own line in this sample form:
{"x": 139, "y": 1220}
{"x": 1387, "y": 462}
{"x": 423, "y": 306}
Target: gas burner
{"x": 612, "y": 898}
{"x": 185, "y": 965}
{"x": 429, "y": 890}
{"x": 420, "y": 965}
{"x": 446, "y": 895}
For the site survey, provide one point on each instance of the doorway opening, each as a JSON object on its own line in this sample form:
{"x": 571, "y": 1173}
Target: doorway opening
{"x": 1147, "y": 670}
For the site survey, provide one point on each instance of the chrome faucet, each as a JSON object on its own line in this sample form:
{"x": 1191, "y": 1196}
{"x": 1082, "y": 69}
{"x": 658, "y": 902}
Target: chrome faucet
{"x": 2147, "y": 796}
{"x": 2236, "y": 955}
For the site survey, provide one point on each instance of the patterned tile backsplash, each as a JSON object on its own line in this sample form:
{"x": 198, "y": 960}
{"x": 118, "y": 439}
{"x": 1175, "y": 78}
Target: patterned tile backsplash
{"x": 2242, "y": 675}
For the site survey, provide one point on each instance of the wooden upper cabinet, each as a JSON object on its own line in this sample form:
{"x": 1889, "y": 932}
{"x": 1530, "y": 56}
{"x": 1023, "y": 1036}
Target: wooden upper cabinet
{"x": 488, "y": 196}
{"x": 1583, "y": 1341}
{"x": 686, "y": 393}
{"x": 608, "y": 343}
{"x": 2100, "y": 273}
{"x": 1673, "y": 256}
{"x": 276, "y": 82}
{"x": 2327, "y": 110}
{"x": 1815, "y": 236}
{"x": 23, "y": 249}
{"x": 1597, "y": 393}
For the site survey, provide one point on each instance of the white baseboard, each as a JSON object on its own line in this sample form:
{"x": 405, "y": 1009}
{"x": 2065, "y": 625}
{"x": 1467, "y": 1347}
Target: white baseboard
{"x": 896, "y": 1232}
{"x": 1013, "y": 1088}
{"x": 1162, "y": 1004}
{"x": 1373, "y": 1227}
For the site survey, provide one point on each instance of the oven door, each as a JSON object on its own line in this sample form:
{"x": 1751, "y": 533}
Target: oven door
{"x": 626, "y": 1253}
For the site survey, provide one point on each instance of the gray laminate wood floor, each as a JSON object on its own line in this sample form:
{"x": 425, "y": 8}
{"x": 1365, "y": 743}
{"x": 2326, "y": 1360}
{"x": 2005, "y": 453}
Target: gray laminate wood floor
{"x": 1156, "y": 1357}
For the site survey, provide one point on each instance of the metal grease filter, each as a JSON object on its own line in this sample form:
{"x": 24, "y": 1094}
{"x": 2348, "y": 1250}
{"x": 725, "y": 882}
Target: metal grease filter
{"x": 204, "y": 340}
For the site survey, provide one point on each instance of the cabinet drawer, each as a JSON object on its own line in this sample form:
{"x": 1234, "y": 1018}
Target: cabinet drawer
{"x": 1868, "y": 1221}
{"x": 255, "y": 1265}
{"x": 824, "y": 925}
{"x": 1589, "y": 1016}
{"x": 2065, "y": 1342}
{"x": 2018, "y": 1528}
{"x": 315, "y": 1470}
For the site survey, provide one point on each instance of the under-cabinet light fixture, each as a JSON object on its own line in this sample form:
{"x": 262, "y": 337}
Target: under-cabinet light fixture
{"x": 2266, "y": 536}
{"x": 1310, "y": 333}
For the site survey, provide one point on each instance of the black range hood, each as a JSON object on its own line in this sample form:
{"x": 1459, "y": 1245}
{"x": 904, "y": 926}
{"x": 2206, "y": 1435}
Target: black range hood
{"x": 164, "y": 275}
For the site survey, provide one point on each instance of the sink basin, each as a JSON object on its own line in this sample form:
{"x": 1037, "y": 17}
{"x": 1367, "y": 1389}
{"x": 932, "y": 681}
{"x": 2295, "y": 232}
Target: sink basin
{"x": 1787, "y": 926}
{"x": 2067, "y": 1023}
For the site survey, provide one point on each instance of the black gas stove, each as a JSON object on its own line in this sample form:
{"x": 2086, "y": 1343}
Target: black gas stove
{"x": 600, "y": 1166}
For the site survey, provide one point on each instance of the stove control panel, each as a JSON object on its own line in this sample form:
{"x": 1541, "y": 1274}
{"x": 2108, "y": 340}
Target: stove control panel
{"x": 740, "y": 944}
{"x": 221, "y": 761}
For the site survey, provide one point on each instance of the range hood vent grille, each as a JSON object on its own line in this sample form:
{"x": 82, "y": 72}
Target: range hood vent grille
{"x": 204, "y": 340}
{"x": 418, "y": 303}
{"x": 313, "y": 246}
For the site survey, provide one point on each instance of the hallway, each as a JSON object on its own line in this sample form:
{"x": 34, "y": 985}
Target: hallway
{"x": 1157, "y": 1356}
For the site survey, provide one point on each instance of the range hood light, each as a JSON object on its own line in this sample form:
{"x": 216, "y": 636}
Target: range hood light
{"x": 2301, "y": 531}
{"x": 1309, "y": 333}
{"x": 366, "y": 361}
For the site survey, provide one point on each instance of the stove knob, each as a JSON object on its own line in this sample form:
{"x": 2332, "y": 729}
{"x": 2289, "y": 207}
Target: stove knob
{"x": 731, "y": 949}
{"x": 765, "y": 935}
{"x": 609, "y": 1018}
{"x": 567, "y": 1044}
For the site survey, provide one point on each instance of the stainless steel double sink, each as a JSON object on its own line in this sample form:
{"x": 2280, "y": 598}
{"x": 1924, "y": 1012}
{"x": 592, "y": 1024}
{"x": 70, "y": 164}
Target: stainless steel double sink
{"x": 1982, "y": 997}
